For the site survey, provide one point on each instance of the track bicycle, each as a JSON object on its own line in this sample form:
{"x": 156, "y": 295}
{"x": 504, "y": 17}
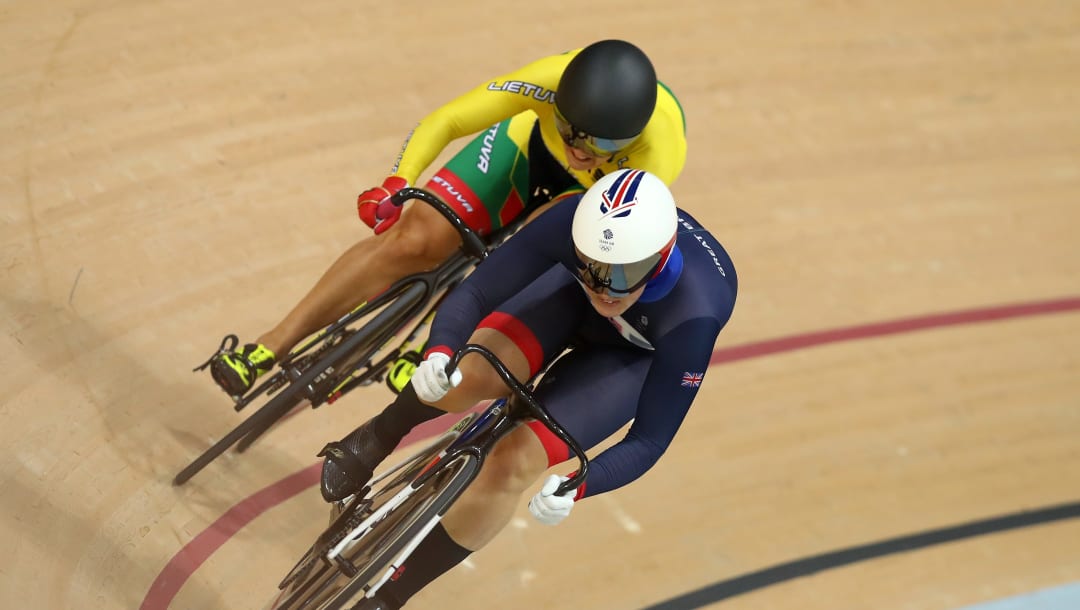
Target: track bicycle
{"x": 361, "y": 347}
{"x": 375, "y": 531}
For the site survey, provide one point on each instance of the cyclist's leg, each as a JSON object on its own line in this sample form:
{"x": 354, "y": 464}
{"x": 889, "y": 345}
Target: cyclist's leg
{"x": 524, "y": 338}
{"x": 523, "y": 334}
{"x": 582, "y": 376}
{"x": 420, "y": 240}
{"x": 489, "y": 503}
{"x": 453, "y": 539}
{"x": 351, "y": 461}
{"x": 570, "y": 389}
{"x": 485, "y": 183}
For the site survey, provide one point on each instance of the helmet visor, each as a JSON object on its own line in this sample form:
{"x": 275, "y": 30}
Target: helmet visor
{"x": 616, "y": 279}
{"x": 597, "y": 147}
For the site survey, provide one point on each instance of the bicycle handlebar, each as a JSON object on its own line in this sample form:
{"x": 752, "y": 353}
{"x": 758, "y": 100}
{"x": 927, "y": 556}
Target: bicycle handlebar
{"x": 472, "y": 244}
{"x": 535, "y": 408}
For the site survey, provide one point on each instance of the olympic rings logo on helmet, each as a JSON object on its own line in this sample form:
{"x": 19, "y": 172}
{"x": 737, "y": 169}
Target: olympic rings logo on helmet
{"x": 623, "y": 232}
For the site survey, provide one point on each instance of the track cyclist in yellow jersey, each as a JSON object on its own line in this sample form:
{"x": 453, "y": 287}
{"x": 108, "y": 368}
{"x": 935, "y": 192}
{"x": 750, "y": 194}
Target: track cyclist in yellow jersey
{"x": 547, "y": 130}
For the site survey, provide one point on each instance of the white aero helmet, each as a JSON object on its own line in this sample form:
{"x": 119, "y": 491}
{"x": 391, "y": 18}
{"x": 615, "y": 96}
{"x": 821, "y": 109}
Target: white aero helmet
{"x": 624, "y": 229}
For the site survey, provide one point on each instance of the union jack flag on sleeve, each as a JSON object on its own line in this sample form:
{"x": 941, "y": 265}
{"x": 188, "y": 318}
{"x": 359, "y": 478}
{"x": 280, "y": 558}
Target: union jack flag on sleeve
{"x": 692, "y": 380}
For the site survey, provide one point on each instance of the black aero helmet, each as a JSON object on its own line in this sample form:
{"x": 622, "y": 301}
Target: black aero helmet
{"x": 608, "y": 91}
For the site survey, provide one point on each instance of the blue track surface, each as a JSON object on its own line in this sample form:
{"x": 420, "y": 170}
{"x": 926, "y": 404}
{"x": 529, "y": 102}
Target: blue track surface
{"x": 1066, "y": 597}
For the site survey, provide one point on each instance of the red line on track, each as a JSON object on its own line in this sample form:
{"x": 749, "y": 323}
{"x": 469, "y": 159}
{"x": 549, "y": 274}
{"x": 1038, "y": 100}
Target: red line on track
{"x": 195, "y": 553}
{"x": 880, "y": 329}
{"x": 201, "y": 547}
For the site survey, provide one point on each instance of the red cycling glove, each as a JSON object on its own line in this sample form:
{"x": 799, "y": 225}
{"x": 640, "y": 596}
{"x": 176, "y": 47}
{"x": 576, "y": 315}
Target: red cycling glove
{"x": 374, "y": 205}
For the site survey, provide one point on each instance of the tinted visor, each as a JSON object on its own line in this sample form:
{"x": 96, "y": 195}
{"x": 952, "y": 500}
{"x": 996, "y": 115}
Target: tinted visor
{"x": 615, "y": 279}
{"x": 597, "y": 147}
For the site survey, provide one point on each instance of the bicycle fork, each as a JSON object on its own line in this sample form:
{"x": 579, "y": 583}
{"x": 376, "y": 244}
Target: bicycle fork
{"x": 404, "y": 555}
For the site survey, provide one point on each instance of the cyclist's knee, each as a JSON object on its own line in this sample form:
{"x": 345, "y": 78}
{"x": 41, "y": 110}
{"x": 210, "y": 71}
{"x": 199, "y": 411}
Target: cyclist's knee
{"x": 462, "y": 398}
{"x": 421, "y": 236}
{"x": 480, "y": 380}
{"x": 515, "y": 462}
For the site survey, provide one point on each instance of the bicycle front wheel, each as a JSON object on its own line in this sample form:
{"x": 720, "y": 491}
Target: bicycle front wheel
{"x": 262, "y": 419}
{"x": 327, "y": 587}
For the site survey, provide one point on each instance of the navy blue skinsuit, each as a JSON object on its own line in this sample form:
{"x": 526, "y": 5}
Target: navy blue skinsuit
{"x": 528, "y": 290}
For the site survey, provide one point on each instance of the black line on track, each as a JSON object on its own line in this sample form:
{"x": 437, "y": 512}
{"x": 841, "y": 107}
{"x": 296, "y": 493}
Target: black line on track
{"x": 806, "y": 566}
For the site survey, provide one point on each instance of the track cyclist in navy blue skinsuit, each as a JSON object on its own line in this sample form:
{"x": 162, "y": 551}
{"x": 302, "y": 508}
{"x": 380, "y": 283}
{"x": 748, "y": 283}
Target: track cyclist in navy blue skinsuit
{"x": 636, "y": 287}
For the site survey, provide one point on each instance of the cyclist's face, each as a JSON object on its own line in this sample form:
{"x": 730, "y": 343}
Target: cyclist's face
{"x": 585, "y": 151}
{"x": 581, "y": 160}
{"x": 609, "y": 305}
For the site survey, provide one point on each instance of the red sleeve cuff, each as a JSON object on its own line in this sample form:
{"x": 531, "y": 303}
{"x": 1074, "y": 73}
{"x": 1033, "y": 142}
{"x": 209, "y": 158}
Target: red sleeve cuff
{"x": 441, "y": 349}
{"x": 395, "y": 183}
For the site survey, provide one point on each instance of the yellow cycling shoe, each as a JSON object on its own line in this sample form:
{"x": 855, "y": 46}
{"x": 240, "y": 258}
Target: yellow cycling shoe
{"x": 236, "y": 371}
{"x": 402, "y": 371}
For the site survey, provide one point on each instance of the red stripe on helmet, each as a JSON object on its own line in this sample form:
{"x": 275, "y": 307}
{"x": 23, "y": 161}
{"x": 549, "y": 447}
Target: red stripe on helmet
{"x": 665, "y": 254}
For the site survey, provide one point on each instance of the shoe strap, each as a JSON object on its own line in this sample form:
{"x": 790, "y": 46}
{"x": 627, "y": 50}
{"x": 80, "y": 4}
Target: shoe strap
{"x": 349, "y": 463}
{"x": 250, "y": 350}
{"x": 228, "y": 344}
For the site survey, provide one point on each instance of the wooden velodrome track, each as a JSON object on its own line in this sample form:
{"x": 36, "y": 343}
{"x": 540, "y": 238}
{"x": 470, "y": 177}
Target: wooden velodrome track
{"x": 898, "y": 184}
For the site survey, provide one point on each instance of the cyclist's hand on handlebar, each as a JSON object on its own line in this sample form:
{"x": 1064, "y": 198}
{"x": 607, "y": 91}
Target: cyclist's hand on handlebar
{"x": 430, "y": 380}
{"x": 375, "y": 207}
{"x": 549, "y": 508}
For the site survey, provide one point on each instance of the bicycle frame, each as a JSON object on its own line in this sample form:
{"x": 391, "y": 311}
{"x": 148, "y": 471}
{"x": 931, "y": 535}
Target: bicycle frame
{"x": 477, "y": 437}
{"x": 407, "y": 302}
{"x": 472, "y": 250}
{"x": 346, "y": 358}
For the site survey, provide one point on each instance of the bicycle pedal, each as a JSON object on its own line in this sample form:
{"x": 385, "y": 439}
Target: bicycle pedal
{"x": 371, "y": 380}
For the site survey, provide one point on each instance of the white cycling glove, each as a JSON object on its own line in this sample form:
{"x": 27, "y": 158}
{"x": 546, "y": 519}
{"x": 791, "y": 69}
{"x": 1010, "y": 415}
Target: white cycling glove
{"x": 430, "y": 380}
{"x": 548, "y": 508}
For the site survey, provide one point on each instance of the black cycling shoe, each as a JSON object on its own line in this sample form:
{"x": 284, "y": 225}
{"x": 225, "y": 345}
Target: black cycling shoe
{"x": 351, "y": 462}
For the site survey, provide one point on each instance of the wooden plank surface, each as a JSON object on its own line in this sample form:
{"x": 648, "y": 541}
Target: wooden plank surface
{"x": 172, "y": 172}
